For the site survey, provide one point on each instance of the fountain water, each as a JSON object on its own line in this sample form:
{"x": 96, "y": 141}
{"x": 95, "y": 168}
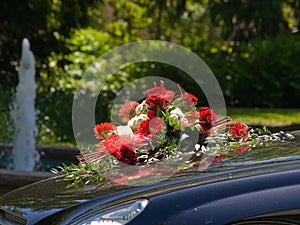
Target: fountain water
{"x": 29, "y": 161}
{"x": 23, "y": 114}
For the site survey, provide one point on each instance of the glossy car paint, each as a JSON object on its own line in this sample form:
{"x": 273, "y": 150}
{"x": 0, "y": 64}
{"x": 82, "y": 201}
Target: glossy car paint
{"x": 242, "y": 187}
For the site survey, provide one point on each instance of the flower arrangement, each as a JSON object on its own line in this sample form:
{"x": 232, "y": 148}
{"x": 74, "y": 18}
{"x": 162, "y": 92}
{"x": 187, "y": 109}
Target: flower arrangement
{"x": 164, "y": 127}
{"x": 153, "y": 127}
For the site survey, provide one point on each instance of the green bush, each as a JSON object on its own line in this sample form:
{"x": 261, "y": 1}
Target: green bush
{"x": 6, "y": 129}
{"x": 57, "y": 85}
{"x": 263, "y": 73}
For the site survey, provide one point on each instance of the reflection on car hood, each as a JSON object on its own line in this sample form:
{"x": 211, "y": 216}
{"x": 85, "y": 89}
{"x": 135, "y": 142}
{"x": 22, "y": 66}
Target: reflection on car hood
{"x": 43, "y": 198}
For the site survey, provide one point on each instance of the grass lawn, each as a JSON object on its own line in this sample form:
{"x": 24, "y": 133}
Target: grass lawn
{"x": 266, "y": 117}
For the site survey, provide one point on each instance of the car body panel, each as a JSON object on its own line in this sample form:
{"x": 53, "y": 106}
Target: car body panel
{"x": 206, "y": 197}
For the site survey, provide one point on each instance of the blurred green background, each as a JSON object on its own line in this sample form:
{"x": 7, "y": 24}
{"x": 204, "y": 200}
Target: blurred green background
{"x": 252, "y": 46}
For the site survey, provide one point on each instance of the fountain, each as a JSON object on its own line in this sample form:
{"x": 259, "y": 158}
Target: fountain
{"x": 24, "y": 162}
{"x": 23, "y": 113}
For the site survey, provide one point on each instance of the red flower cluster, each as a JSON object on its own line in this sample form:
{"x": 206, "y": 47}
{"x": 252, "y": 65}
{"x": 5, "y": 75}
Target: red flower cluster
{"x": 208, "y": 118}
{"x": 238, "y": 132}
{"x": 151, "y": 127}
{"x": 123, "y": 149}
{"x": 156, "y": 102}
{"x": 165, "y": 127}
{"x": 158, "y": 98}
{"x": 102, "y": 130}
{"x": 155, "y": 124}
{"x": 161, "y": 91}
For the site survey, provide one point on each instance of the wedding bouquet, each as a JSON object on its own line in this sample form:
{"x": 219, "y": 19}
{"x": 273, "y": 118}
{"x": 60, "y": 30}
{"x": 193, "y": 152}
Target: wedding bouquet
{"x": 164, "y": 127}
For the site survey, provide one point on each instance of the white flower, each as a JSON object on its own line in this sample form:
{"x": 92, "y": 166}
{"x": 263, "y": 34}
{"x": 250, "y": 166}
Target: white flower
{"x": 140, "y": 107}
{"x": 134, "y": 123}
{"x": 124, "y": 131}
{"x": 178, "y": 115}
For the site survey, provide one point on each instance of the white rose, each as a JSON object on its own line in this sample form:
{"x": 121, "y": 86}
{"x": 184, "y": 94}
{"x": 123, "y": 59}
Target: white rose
{"x": 134, "y": 123}
{"x": 178, "y": 115}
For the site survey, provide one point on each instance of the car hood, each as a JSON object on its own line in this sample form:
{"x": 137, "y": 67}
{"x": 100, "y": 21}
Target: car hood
{"x": 39, "y": 200}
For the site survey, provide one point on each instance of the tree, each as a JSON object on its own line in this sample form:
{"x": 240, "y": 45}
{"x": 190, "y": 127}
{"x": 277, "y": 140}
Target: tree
{"x": 243, "y": 20}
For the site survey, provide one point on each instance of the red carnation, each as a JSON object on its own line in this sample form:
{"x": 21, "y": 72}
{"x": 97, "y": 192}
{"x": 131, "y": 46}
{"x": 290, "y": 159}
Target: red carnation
{"x": 144, "y": 128}
{"x": 238, "y": 131}
{"x": 161, "y": 91}
{"x": 128, "y": 155}
{"x": 121, "y": 149}
{"x": 207, "y": 118}
{"x": 153, "y": 126}
{"x": 127, "y": 111}
{"x": 113, "y": 145}
{"x": 101, "y": 130}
